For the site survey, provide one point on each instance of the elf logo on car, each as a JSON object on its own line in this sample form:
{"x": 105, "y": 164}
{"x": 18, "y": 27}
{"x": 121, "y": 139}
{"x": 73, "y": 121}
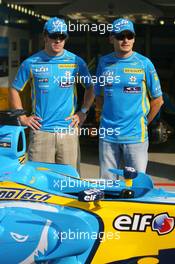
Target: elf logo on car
{"x": 89, "y": 198}
{"x": 161, "y": 223}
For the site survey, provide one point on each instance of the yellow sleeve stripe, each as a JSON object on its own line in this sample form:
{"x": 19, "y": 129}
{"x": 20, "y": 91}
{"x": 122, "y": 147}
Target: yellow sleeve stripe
{"x": 24, "y": 86}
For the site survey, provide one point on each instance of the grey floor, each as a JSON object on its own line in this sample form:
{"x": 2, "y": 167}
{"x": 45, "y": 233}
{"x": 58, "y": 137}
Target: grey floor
{"x": 161, "y": 165}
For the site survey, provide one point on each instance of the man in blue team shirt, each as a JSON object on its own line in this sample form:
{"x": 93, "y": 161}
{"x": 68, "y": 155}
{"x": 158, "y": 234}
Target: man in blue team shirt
{"x": 52, "y": 74}
{"x": 130, "y": 97}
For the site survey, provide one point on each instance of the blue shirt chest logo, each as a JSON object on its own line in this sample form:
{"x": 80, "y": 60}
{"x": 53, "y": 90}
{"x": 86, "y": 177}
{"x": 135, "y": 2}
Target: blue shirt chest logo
{"x": 43, "y": 69}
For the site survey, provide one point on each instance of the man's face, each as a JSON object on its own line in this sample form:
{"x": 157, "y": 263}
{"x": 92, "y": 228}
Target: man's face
{"x": 123, "y": 42}
{"x": 54, "y": 43}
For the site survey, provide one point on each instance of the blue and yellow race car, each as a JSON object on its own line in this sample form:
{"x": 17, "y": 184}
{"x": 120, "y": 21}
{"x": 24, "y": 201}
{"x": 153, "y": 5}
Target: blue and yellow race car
{"x": 48, "y": 214}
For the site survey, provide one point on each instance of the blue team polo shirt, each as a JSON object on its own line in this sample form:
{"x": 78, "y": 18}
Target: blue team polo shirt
{"x": 126, "y": 84}
{"x": 53, "y": 82}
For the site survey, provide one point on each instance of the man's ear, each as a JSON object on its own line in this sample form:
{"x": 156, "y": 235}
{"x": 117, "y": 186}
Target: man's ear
{"x": 111, "y": 39}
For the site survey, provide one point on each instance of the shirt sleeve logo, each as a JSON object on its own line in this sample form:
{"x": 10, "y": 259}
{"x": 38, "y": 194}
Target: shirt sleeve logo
{"x": 133, "y": 71}
{"x": 67, "y": 66}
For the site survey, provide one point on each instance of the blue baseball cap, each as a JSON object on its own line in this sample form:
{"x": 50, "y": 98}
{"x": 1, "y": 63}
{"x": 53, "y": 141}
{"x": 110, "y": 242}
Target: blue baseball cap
{"x": 122, "y": 24}
{"x": 56, "y": 25}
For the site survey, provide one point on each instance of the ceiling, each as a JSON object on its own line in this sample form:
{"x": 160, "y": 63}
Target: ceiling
{"x": 143, "y": 11}
{"x": 167, "y": 7}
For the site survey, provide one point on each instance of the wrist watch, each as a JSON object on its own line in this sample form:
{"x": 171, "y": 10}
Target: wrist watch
{"x": 84, "y": 110}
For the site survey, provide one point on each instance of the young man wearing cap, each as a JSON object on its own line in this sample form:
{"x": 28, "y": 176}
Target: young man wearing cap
{"x": 130, "y": 98}
{"x": 52, "y": 74}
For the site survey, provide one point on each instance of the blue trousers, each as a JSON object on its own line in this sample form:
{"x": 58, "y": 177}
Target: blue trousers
{"x": 113, "y": 155}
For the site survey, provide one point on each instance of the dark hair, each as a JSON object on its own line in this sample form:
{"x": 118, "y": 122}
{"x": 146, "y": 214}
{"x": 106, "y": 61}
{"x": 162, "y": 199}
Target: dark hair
{"x": 45, "y": 33}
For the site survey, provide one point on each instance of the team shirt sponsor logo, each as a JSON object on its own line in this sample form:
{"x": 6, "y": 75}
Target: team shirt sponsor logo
{"x": 43, "y": 83}
{"x": 43, "y": 80}
{"x": 133, "y": 80}
{"x": 161, "y": 223}
{"x": 41, "y": 69}
{"x": 132, "y": 70}
{"x": 23, "y": 194}
{"x": 64, "y": 81}
{"x": 68, "y": 80}
{"x": 44, "y": 91}
{"x": 67, "y": 66}
{"x": 108, "y": 73}
{"x": 110, "y": 78}
{"x": 131, "y": 89}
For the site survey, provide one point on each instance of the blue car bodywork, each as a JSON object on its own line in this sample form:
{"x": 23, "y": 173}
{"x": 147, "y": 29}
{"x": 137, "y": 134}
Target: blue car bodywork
{"x": 48, "y": 214}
